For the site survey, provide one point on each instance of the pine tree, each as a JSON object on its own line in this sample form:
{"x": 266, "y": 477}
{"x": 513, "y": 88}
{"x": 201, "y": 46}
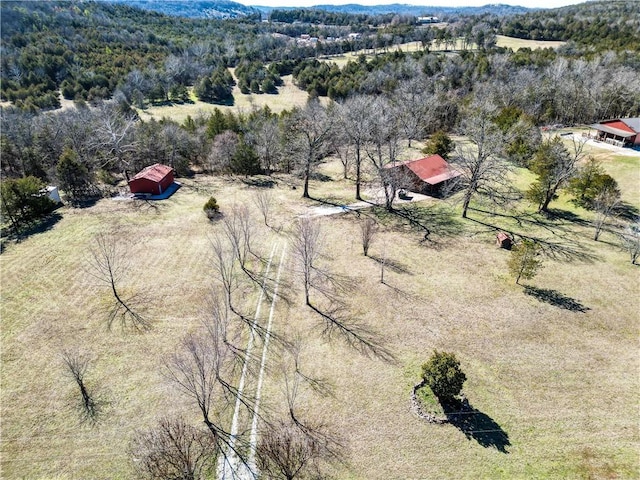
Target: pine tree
{"x": 525, "y": 260}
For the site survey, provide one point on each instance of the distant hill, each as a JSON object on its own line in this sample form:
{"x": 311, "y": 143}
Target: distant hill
{"x": 417, "y": 10}
{"x": 229, "y": 9}
{"x": 193, "y": 9}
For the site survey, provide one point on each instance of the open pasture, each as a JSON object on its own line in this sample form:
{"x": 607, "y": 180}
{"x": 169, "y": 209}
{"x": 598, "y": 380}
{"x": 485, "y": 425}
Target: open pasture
{"x": 288, "y": 97}
{"x": 551, "y": 367}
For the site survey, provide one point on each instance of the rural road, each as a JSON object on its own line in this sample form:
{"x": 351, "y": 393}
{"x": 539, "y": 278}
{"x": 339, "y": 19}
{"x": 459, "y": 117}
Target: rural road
{"x": 377, "y": 198}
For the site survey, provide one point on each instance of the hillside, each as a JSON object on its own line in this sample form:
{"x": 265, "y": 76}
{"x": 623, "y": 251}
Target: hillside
{"x": 193, "y": 9}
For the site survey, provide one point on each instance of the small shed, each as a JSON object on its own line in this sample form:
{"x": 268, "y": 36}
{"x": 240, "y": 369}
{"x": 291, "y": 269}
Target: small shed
{"x": 53, "y": 193}
{"x": 504, "y": 241}
{"x": 153, "y": 180}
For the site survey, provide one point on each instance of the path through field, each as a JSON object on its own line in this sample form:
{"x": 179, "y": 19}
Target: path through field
{"x": 231, "y": 466}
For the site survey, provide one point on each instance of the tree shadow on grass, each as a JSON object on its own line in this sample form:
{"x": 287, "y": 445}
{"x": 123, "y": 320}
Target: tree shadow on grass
{"x": 555, "y": 298}
{"x": 628, "y": 212}
{"x": 428, "y": 220}
{"x": 259, "y": 181}
{"x": 477, "y": 425}
{"x": 337, "y": 321}
{"x": 40, "y": 226}
{"x": 392, "y": 265}
{"x": 565, "y": 215}
{"x": 563, "y": 250}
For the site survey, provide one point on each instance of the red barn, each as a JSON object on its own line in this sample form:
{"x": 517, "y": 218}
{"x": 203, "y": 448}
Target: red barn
{"x": 153, "y": 180}
{"x": 624, "y": 132}
{"x": 426, "y": 175}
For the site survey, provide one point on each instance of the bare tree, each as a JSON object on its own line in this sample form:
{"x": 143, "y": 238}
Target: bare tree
{"x": 286, "y": 451}
{"x": 481, "y": 168}
{"x": 295, "y": 447}
{"x": 109, "y": 263}
{"x": 383, "y": 149}
{"x": 306, "y": 245}
{"x": 173, "y": 449}
{"x": 368, "y": 230}
{"x": 412, "y": 102}
{"x": 604, "y": 206}
{"x": 239, "y": 231}
{"x": 265, "y": 137}
{"x": 309, "y": 130}
{"x": 336, "y": 320}
{"x": 76, "y": 365}
{"x": 176, "y": 141}
{"x": 115, "y": 136}
{"x": 631, "y": 241}
{"x": 224, "y": 265}
{"x": 263, "y": 199}
{"x": 354, "y": 119}
{"x": 341, "y": 146}
{"x": 203, "y": 370}
{"x": 223, "y": 149}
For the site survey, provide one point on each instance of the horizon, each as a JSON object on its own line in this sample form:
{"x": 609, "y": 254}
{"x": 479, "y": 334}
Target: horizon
{"x": 417, "y": 3}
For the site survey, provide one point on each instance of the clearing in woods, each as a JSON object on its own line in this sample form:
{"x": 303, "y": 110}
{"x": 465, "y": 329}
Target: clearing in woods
{"x": 551, "y": 367}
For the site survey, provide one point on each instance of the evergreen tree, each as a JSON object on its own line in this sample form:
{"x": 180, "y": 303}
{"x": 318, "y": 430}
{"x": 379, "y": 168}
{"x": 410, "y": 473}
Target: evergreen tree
{"x": 74, "y": 177}
{"x": 245, "y": 161}
{"x": 554, "y": 166}
{"x": 443, "y": 375}
{"x": 24, "y": 201}
{"x": 439, "y": 144}
{"x": 525, "y": 260}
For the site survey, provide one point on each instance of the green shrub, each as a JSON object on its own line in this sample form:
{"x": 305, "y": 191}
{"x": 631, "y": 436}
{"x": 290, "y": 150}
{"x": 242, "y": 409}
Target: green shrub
{"x": 211, "y": 208}
{"x": 443, "y": 375}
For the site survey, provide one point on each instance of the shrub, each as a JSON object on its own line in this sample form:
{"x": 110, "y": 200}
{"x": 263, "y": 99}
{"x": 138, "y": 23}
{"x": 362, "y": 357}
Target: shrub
{"x": 211, "y": 208}
{"x": 443, "y": 375}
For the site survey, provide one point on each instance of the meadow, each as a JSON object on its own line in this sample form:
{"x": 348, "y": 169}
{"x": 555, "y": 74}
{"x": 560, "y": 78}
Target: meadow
{"x": 551, "y": 365}
{"x": 290, "y": 96}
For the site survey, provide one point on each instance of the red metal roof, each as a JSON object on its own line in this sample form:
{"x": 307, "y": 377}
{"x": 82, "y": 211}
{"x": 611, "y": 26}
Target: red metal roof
{"x": 432, "y": 170}
{"x": 619, "y": 125}
{"x": 155, "y": 172}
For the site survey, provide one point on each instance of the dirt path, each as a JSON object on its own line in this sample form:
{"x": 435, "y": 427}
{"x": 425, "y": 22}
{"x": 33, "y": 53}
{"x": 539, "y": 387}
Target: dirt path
{"x": 377, "y": 198}
{"x": 253, "y": 439}
{"x": 231, "y": 466}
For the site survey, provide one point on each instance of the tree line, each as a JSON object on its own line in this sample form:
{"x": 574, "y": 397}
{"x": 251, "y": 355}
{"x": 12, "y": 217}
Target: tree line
{"x": 89, "y": 53}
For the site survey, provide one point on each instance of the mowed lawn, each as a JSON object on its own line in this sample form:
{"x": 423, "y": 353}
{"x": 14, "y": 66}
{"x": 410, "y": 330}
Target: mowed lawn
{"x": 552, "y": 370}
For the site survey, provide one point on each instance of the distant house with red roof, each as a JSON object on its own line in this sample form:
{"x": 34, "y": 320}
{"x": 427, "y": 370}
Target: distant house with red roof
{"x": 426, "y": 175}
{"x": 621, "y": 131}
{"x": 153, "y": 180}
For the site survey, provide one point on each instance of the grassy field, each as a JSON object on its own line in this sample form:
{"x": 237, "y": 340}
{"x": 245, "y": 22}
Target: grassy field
{"x": 552, "y": 368}
{"x": 289, "y": 96}
{"x": 502, "y": 41}
{"x": 518, "y": 43}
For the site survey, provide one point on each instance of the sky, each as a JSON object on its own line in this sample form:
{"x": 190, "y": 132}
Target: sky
{"x": 426, "y": 3}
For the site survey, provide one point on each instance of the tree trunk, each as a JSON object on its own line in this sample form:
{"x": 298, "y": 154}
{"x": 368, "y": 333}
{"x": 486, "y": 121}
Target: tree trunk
{"x": 465, "y": 205}
{"x": 307, "y": 172}
{"x": 358, "y": 161}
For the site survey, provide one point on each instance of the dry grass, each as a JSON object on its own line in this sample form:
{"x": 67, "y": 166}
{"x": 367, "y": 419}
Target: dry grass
{"x": 289, "y": 96}
{"x": 560, "y": 383}
{"x": 409, "y": 47}
{"x": 518, "y": 43}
